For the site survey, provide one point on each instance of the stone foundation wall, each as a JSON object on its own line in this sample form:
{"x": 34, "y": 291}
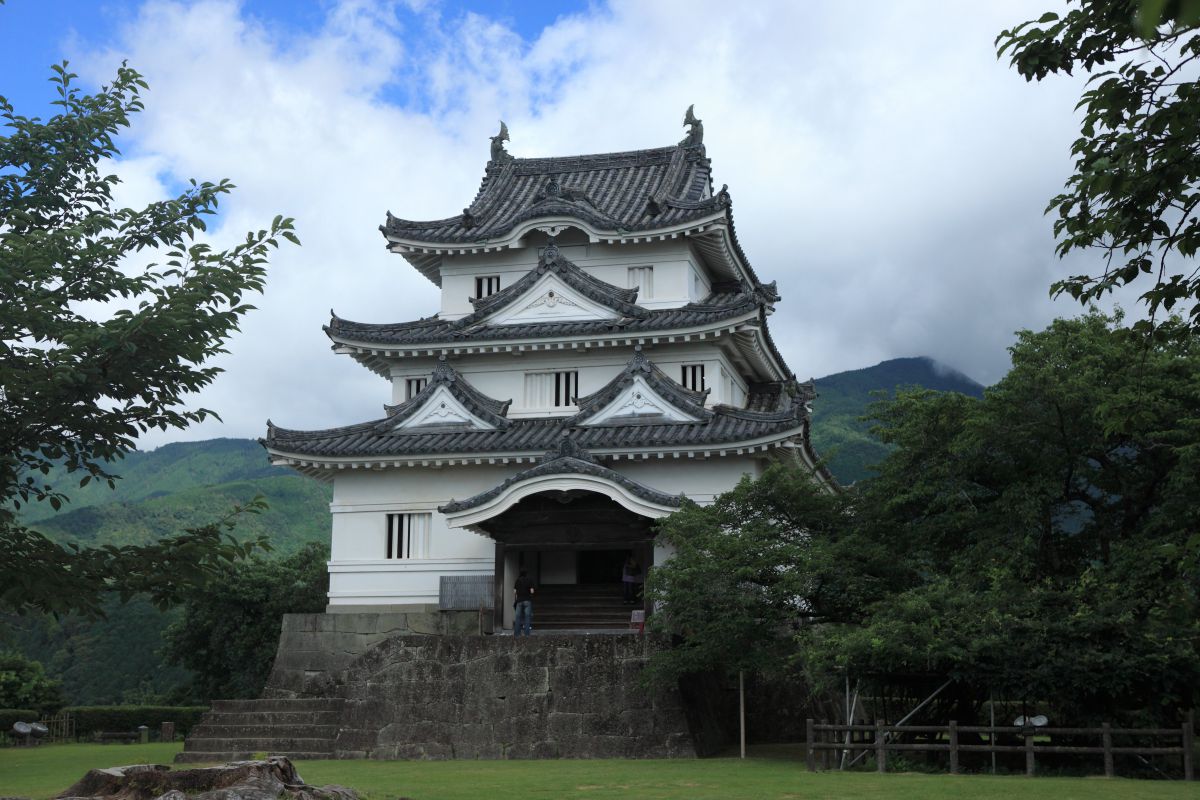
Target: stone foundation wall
{"x": 424, "y": 684}
{"x": 550, "y": 696}
{"x": 314, "y": 649}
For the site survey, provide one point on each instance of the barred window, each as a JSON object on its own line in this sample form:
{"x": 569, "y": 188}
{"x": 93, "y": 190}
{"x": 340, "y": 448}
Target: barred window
{"x": 693, "y": 377}
{"x": 408, "y": 536}
{"x": 413, "y": 387}
{"x": 551, "y": 389}
{"x": 486, "y": 286}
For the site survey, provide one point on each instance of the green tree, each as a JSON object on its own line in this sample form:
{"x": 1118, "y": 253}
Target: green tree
{"x": 110, "y": 318}
{"x": 24, "y": 684}
{"x": 1135, "y": 192}
{"x": 746, "y": 570}
{"x": 229, "y": 632}
{"x": 1042, "y": 542}
{"x": 1051, "y": 529}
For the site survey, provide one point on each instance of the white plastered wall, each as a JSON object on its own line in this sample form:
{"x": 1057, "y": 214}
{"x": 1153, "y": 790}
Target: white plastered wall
{"x": 673, "y": 261}
{"x": 361, "y": 575}
{"x": 502, "y": 375}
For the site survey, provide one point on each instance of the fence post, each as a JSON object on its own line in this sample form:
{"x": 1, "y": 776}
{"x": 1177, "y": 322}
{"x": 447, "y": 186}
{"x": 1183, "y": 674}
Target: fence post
{"x": 1108, "y": 753}
{"x": 1189, "y": 728}
{"x": 953, "y": 747}
{"x": 880, "y": 747}
{"x": 810, "y": 752}
{"x": 1029, "y": 752}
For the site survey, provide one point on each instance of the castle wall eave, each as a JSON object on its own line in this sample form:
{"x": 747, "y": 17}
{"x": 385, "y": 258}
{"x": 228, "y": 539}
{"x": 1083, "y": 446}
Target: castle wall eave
{"x": 331, "y": 465}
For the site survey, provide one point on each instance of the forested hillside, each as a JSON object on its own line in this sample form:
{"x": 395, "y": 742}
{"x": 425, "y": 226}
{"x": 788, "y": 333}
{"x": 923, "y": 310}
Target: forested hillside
{"x": 161, "y": 492}
{"x": 838, "y": 432}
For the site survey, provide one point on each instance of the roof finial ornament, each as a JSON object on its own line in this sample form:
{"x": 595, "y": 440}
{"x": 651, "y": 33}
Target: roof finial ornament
{"x": 498, "y": 151}
{"x": 695, "y": 137}
{"x": 550, "y": 253}
{"x": 567, "y": 448}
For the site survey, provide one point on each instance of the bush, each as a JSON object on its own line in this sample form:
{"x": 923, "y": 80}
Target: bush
{"x": 24, "y": 684}
{"x": 93, "y": 719}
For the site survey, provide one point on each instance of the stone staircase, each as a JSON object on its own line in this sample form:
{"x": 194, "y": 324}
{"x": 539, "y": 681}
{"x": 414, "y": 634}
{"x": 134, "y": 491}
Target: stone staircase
{"x": 234, "y": 730}
{"x": 581, "y": 606}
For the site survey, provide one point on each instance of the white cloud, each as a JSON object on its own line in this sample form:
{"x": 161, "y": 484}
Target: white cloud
{"x": 886, "y": 169}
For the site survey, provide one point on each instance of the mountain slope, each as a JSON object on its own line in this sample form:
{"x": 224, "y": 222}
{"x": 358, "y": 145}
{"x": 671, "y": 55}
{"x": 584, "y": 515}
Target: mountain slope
{"x": 298, "y": 512}
{"x": 164, "y": 471}
{"x": 840, "y": 435}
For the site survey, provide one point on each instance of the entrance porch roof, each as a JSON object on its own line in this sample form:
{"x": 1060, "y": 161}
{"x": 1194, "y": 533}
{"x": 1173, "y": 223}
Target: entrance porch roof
{"x": 566, "y": 468}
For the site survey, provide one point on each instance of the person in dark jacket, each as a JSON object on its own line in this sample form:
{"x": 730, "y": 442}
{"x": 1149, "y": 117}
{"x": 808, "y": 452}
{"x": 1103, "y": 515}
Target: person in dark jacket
{"x": 523, "y": 605}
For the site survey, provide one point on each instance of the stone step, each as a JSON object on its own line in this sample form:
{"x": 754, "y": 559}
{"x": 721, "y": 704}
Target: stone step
{"x": 574, "y": 613}
{"x": 579, "y": 626}
{"x": 195, "y": 756}
{"x": 272, "y": 717}
{"x": 223, "y": 756}
{"x": 271, "y": 744}
{"x": 207, "y": 730}
{"x": 279, "y": 704}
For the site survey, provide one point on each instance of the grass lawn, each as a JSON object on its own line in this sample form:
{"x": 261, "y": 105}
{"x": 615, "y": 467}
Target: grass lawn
{"x": 42, "y": 772}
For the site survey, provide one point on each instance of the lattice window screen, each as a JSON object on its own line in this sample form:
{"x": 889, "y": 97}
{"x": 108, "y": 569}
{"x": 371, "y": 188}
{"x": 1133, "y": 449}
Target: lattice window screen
{"x": 551, "y": 389}
{"x": 408, "y": 536}
{"x": 642, "y": 278}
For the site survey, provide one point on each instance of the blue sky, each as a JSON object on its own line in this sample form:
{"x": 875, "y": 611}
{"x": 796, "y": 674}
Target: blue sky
{"x": 37, "y": 33}
{"x": 886, "y": 169}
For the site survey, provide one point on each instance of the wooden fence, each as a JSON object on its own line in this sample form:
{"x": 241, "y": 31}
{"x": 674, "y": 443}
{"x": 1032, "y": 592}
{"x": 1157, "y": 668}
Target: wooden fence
{"x": 828, "y": 740}
{"x": 61, "y": 726}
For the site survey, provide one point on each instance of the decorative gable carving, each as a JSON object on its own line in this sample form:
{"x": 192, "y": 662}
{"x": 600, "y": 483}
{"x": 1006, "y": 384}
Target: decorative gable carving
{"x": 551, "y": 300}
{"x": 443, "y": 408}
{"x": 639, "y": 400}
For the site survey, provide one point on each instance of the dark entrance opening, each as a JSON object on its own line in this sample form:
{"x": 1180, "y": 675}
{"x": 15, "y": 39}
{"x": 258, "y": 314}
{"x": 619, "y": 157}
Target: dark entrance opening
{"x": 549, "y": 532}
{"x": 601, "y": 566}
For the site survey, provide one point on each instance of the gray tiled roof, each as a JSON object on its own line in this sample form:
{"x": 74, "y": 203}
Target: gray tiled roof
{"x": 567, "y": 458}
{"x": 486, "y": 408}
{"x": 686, "y": 400}
{"x": 727, "y": 300}
{"x": 630, "y": 191}
{"x": 723, "y": 425}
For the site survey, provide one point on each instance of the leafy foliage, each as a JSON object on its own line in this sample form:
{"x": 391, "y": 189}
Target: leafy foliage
{"x": 79, "y": 388}
{"x": 113, "y": 659}
{"x": 118, "y": 659}
{"x": 1042, "y": 542}
{"x": 744, "y": 571}
{"x": 1136, "y": 186}
{"x": 228, "y": 633}
{"x": 24, "y": 684}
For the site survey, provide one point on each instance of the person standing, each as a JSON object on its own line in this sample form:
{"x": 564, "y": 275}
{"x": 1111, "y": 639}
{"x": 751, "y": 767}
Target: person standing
{"x": 631, "y": 578}
{"x": 523, "y": 605}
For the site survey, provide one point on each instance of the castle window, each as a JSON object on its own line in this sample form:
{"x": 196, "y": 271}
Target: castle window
{"x": 486, "y": 286}
{"x": 551, "y": 389}
{"x": 642, "y": 279}
{"x": 413, "y": 387}
{"x": 408, "y": 536}
{"x": 693, "y": 377}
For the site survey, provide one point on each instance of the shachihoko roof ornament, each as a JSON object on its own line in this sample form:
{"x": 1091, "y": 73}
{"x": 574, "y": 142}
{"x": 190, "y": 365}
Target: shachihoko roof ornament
{"x": 499, "y": 154}
{"x": 695, "y": 136}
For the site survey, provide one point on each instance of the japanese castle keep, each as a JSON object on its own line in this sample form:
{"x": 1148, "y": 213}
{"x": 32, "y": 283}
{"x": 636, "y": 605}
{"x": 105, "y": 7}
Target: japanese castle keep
{"x": 600, "y": 353}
